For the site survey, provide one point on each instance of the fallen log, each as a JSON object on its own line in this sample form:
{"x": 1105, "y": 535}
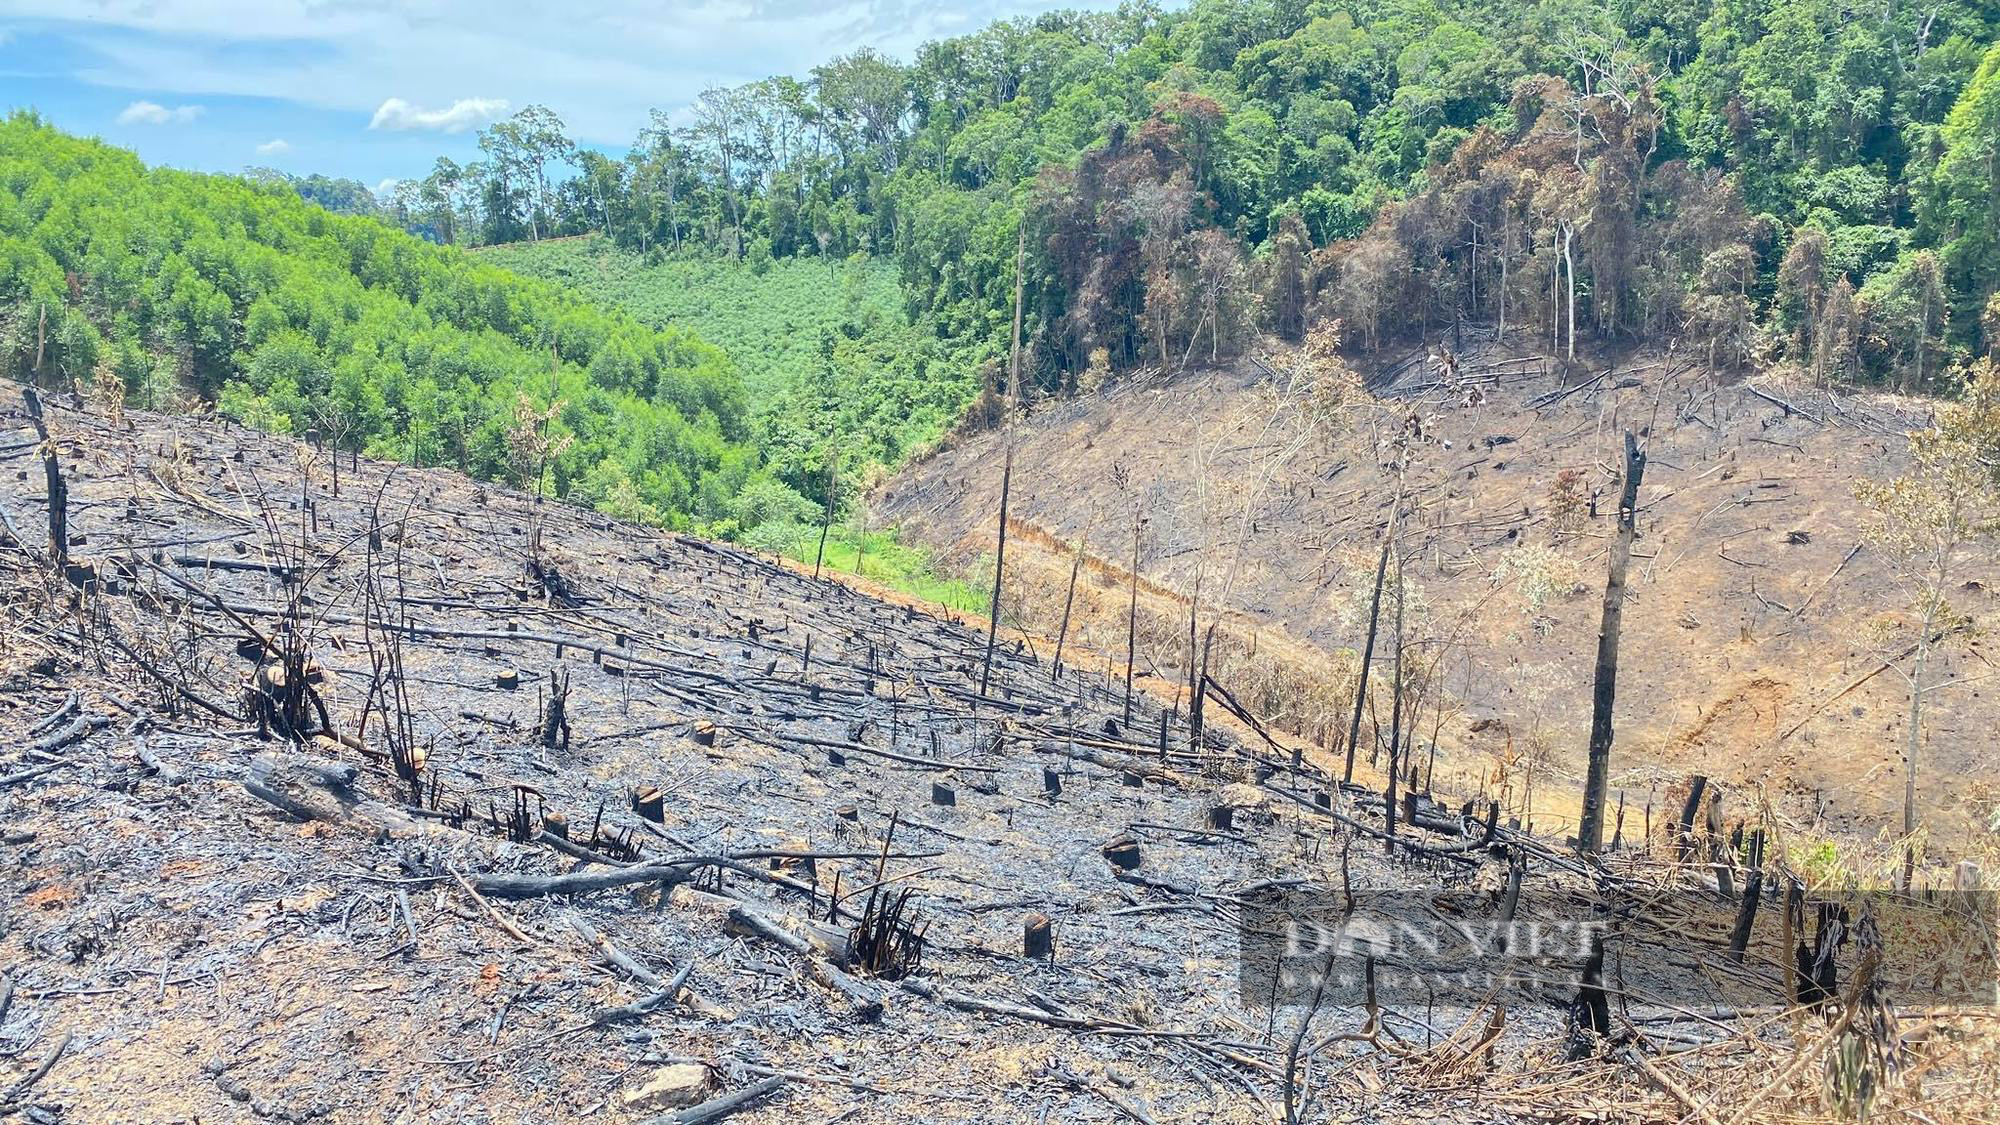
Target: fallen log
{"x": 866, "y": 998}
{"x": 668, "y": 872}
{"x": 72, "y": 731}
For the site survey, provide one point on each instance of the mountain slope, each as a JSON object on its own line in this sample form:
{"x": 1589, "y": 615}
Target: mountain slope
{"x": 160, "y": 285}
{"x": 829, "y": 356}
{"x": 613, "y": 916}
{"x": 1750, "y": 649}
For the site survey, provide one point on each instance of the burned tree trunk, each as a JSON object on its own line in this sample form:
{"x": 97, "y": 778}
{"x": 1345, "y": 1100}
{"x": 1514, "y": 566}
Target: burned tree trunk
{"x": 999, "y": 568}
{"x": 1368, "y": 649}
{"x": 1038, "y": 938}
{"x": 58, "y": 490}
{"x": 826, "y": 520}
{"x": 1684, "y": 828}
{"x": 1753, "y": 890}
{"x": 1395, "y": 716}
{"x": 555, "y": 722}
{"x": 1132, "y": 615}
{"x": 1590, "y": 829}
{"x": 1069, "y": 600}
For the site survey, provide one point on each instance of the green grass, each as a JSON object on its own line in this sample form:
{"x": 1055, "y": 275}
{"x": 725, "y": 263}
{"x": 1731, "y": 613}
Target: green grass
{"x": 879, "y": 557}
{"x": 828, "y": 353}
{"x": 768, "y": 318}
{"x": 829, "y": 358}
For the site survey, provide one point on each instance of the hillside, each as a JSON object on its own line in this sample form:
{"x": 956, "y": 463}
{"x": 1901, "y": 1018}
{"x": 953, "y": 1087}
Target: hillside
{"x": 419, "y": 798}
{"x": 829, "y": 356}
{"x": 174, "y": 290}
{"x": 1754, "y": 640}
{"x": 1756, "y": 180}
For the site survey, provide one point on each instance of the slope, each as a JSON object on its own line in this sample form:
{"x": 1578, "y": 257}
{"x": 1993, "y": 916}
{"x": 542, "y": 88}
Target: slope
{"x": 170, "y": 289}
{"x": 1750, "y": 649}
{"x": 829, "y": 356}
{"x": 602, "y": 827}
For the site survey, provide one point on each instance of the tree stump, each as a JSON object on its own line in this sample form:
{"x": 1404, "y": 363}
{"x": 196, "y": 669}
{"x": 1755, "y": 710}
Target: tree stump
{"x": 1038, "y": 938}
{"x": 1122, "y": 853}
{"x": 650, "y": 803}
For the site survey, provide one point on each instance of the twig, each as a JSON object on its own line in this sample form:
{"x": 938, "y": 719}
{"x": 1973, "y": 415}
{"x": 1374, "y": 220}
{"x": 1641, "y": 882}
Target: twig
{"x": 498, "y": 918}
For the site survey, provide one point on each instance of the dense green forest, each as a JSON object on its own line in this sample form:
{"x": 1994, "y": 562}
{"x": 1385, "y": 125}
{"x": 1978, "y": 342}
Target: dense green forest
{"x": 1185, "y": 178}
{"x": 827, "y": 351}
{"x": 181, "y": 288}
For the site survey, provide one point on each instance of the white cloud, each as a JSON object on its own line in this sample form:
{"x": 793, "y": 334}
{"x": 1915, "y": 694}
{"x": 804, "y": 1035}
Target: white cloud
{"x": 276, "y": 147}
{"x": 463, "y": 114}
{"x": 600, "y": 64}
{"x": 153, "y": 113}
{"x": 387, "y": 187}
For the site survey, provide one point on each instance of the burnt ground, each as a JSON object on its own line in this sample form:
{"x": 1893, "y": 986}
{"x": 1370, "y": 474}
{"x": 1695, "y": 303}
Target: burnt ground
{"x": 205, "y": 921}
{"x": 1753, "y": 646}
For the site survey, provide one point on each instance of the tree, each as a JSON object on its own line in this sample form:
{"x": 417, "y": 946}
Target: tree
{"x": 1907, "y": 308}
{"x": 540, "y": 142}
{"x": 1801, "y": 295}
{"x": 1604, "y": 690}
{"x": 1963, "y": 204}
{"x": 1938, "y": 516}
{"x": 1217, "y": 281}
{"x": 1285, "y": 286}
{"x": 439, "y": 196}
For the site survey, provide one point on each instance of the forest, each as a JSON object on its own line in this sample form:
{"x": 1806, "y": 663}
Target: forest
{"x": 1755, "y": 183}
{"x": 1760, "y": 181}
{"x": 173, "y": 290}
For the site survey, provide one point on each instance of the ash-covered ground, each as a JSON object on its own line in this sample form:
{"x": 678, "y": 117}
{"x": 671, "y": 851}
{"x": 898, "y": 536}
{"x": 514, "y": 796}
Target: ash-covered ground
{"x": 288, "y": 833}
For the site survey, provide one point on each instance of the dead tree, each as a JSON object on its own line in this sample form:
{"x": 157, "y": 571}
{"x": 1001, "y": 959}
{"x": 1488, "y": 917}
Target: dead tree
{"x": 826, "y": 520}
{"x": 555, "y": 723}
{"x": 1069, "y": 600}
{"x": 1395, "y": 716}
{"x": 1590, "y": 829}
{"x": 1368, "y": 649}
{"x": 58, "y": 490}
{"x": 999, "y": 568}
{"x": 1132, "y": 613}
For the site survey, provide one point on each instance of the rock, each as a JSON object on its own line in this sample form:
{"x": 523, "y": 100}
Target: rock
{"x": 670, "y": 1087}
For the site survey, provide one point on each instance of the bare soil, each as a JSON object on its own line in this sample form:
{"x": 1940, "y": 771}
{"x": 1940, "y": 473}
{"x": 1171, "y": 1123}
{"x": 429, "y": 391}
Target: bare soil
{"x": 1755, "y": 604}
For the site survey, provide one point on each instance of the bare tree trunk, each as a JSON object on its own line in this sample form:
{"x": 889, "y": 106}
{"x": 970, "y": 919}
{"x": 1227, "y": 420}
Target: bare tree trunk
{"x": 1911, "y": 738}
{"x": 999, "y": 568}
{"x": 1368, "y": 650}
{"x": 1069, "y": 600}
{"x": 1569, "y": 267}
{"x": 1590, "y": 830}
{"x": 57, "y": 489}
{"x": 826, "y": 521}
{"x": 1395, "y": 716}
{"x": 1020, "y": 285}
{"x": 1132, "y": 615}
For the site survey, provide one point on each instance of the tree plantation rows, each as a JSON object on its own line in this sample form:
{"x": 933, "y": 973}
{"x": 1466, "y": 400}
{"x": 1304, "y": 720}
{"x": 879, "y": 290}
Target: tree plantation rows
{"x": 1792, "y": 180}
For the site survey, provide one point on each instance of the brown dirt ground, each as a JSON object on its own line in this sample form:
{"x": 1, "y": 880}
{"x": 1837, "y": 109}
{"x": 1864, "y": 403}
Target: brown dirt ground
{"x": 1738, "y": 639}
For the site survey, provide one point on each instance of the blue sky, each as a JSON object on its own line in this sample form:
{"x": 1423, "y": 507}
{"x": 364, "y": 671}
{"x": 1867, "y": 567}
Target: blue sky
{"x": 376, "y": 89}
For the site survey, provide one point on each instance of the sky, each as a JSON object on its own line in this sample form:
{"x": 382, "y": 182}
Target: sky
{"x": 377, "y": 89}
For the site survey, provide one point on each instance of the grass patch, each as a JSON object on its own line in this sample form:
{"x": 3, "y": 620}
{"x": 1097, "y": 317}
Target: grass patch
{"x": 878, "y": 556}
